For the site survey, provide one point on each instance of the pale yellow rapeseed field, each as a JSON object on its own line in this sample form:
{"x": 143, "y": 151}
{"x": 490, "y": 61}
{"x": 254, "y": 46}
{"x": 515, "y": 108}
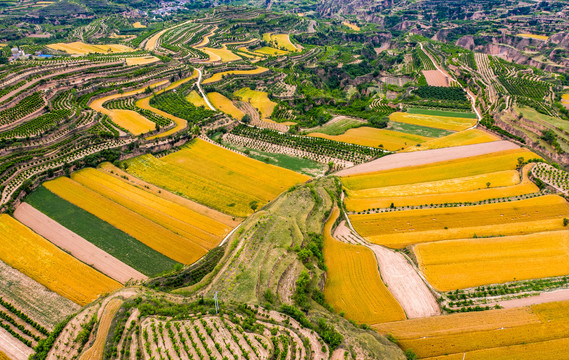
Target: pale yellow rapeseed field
{"x": 466, "y": 137}
{"x": 220, "y": 75}
{"x": 353, "y": 283}
{"x": 141, "y": 60}
{"x": 215, "y": 177}
{"x": 223, "y": 55}
{"x": 379, "y": 138}
{"x": 401, "y": 228}
{"x": 351, "y": 26}
{"x": 459, "y": 264}
{"x": 487, "y": 334}
{"x": 44, "y": 262}
{"x": 435, "y": 121}
{"x": 143, "y": 229}
{"x": 259, "y": 99}
{"x": 265, "y": 50}
{"x": 225, "y": 105}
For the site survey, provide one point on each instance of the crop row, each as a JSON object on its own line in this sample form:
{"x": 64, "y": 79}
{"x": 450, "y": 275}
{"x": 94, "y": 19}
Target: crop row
{"x": 25, "y": 107}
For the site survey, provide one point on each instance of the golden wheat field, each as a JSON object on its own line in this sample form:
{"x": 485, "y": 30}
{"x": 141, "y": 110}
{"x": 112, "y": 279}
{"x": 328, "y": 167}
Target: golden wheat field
{"x": 461, "y": 184}
{"x": 358, "y": 201}
{"x": 485, "y": 332}
{"x": 220, "y": 75}
{"x": 533, "y": 36}
{"x": 351, "y": 26}
{"x": 265, "y": 50}
{"x": 179, "y": 219}
{"x": 435, "y": 121}
{"x": 281, "y": 41}
{"x": 95, "y": 352}
{"x": 138, "y": 25}
{"x": 143, "y": 229}
{"x": 259, "y": 99}
{"x": 2, "y": 355}
{"x": 196, "y": 99}
{"x": 459, "y": 264}
{"x": 353, "y": 283}
{"x": 476, "y": 165}
{"x": 141, "y": 60}
{"x": 42, "y": 261}
{"x": 215, "y": 177}
{"x": 379, "y": 138}
{"x": 219, "y": 217}
{"x": 80, "y": 48}
{"x": 466, "y": 137}
{"x": 401, "y": 228}
{"x": 223, "y": 55}
{"x": 225, "y": 105}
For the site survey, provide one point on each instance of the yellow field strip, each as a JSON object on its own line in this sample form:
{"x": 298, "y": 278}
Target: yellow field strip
{"x": 219, "y": 76}
{"x": 471, "y": 166}
{"x": 42, "y": 261}
{"x": 440, "y": 122}
{"x": 225, "y": 105}
{"x": 459, "y": 264}
{"x": 95, "y": 352}
{"x": 469, "y": 183}
{"x": 182, "y": 201}
{"x": 493, "y": 330}
{"x": 353, "y": 283}
{"x": 466, "y": 137}
{"x": 281, "y": 41}
{"x": 215, "y": 177}
{"x": 401, "y": 228}
{"x": 379, "y": 138}
{"x": 484, "y": 192}
{"x": 144, "y": 230}
{"x": 224, "y": 55}
{"x": 258, "y": 99}
{"x": 183, "y": 221}
{"x": 80, "y": 48}
{"x": 196, "y": 99}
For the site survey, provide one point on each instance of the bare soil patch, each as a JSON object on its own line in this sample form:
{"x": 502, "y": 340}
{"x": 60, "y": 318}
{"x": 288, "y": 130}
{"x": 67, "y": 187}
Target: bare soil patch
{"x": 12, "y": 347}
{"x": 559, "y": 295}
{"x": 436, "y": 78}
{"x": 401, "y": 160}
{"x": 75, "y": 245}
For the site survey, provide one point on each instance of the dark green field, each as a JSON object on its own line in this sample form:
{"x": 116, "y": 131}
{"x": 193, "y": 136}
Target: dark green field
{"x": 103, "y": 235}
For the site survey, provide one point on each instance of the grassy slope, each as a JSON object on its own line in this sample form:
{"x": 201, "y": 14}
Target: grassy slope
{"x": 338, "y": 127}
{"x": 101, "y": 234}
{"x": 417, "y": 129}
{"x": 260, "y": 257}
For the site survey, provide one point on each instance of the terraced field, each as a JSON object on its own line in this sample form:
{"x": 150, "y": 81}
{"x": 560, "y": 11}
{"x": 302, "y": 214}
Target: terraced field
{"x": 434, "y": 121}
{"x": 380, "y": 138}
{"x": 225, "y": 105}
{"x": 221, "y": 75}
{"x": 215, "y": 177}
{"x": 259, "y": 99}
{"x": 466, "y": 137}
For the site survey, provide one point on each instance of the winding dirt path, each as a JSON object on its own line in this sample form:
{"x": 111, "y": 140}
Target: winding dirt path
{"x": 401, "y": 278}
{"x": 558, "y": 295}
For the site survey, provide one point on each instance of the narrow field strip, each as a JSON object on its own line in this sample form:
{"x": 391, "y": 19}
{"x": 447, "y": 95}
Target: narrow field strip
{"x": 12, "y": 348}
{"x": 379, "y": 138}
{"x": 75, "y": 245}
{"x": 472, "y": 166}
{"x": 459, "y": 264}
{"x": 435, "y": 121}
{"x": 95, "y": 352}
{"x": 148, "y": 232}
{"x": 220, "y": 75}
{"x": 484, "y": 192}
{"x": 353, "y": 282}
{"x": 183, "y": 221}
{"x": 467, "y": 137}
{"x": 44, "y": 262}
{"x": 100, "y": 233}
{"x": 494, "y": 330}
{"x": 402, "y": 228}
